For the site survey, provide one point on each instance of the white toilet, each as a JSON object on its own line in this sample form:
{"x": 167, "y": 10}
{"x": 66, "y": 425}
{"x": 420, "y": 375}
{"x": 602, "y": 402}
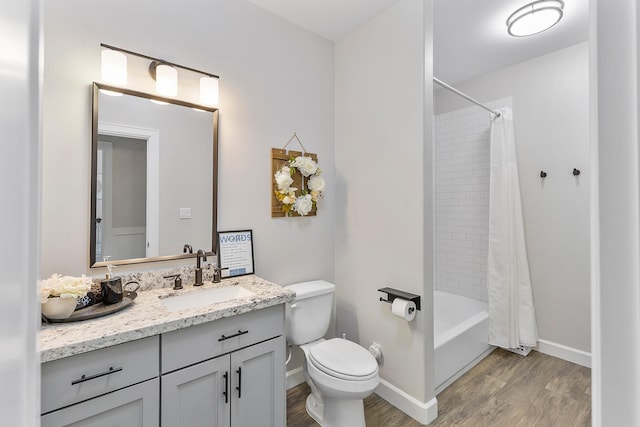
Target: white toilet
{"x": 340, "y": 372}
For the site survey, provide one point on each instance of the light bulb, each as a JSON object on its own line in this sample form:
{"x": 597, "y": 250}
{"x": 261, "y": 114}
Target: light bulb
{"x": 209, "y": 90}
{"x": 166, "y": 80}
{"x": 114, "y": 67}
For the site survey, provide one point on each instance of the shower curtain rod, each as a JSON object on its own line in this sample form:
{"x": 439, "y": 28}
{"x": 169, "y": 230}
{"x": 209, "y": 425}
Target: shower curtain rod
{"x": 464, "y": 95}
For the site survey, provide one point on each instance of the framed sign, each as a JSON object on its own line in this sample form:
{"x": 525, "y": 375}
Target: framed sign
{"x": 235, "y": 249}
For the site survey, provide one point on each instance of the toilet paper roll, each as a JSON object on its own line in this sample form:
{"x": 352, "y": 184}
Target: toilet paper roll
{"x": 404, "y": 308}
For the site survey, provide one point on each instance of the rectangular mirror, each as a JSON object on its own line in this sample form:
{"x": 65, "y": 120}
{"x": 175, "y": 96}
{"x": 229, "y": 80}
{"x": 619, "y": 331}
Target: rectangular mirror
{"x": 153, "y": 177}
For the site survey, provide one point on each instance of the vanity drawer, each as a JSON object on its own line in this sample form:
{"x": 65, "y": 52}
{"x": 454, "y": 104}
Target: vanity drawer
{"x": 77, "y": 378}
{"x": 191, "y": 345}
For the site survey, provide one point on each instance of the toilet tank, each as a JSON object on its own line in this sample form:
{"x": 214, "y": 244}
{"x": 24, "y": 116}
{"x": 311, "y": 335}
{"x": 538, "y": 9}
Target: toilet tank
{"x": 308, "y": 316}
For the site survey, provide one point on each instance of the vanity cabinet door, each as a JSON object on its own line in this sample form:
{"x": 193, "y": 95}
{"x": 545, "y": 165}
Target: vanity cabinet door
{"x": 258, "y": 386}
{"x": 135, "y": 406}
{"x": 197, "y": 396}
{"x": 252, "y": 393}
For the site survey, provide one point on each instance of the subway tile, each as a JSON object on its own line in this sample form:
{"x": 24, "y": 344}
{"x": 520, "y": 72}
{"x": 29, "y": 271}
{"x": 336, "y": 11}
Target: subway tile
{"x": 462, "y": 199}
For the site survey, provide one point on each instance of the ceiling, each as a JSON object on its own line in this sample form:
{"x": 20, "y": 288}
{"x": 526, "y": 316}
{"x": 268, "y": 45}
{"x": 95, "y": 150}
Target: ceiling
{"x": 470, "y": 37}
{"x": 332, "y": 19}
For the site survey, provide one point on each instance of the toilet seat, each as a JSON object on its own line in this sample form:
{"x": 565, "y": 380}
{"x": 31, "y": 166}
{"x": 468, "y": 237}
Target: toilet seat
{"x": 343, "y": 359}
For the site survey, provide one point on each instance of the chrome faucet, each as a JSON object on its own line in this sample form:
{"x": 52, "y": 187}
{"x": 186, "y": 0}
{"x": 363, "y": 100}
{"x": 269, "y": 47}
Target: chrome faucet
{"x": 199, "y": 255}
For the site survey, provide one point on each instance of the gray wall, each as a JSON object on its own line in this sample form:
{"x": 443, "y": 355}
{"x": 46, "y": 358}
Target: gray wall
{"x": 275, "y": 78}
{"x": 383, "y": 224}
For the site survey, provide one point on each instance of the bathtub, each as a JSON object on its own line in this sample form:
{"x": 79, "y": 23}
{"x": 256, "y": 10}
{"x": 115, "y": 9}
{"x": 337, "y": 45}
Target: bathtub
{"x": 461, "y": 332}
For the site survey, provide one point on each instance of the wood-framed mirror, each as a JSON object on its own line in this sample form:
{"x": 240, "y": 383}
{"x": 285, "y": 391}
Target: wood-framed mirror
{"x": 153, "y": 177}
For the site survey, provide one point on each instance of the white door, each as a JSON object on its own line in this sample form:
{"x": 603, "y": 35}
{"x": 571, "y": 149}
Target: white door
{"x": 152, "y": 224}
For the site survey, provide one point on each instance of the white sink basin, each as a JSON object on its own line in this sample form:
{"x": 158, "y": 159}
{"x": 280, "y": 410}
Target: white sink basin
{"x": 203, "y": 297}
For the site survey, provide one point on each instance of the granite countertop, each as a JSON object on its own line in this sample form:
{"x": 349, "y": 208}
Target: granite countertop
{"x": 147, "y": 316}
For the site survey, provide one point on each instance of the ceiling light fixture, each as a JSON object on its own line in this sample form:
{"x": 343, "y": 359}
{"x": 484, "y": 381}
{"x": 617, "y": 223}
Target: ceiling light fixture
{"x": 535, "y": 18}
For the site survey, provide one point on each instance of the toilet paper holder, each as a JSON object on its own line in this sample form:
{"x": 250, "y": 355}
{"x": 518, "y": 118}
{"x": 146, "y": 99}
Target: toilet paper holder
{"x": 395, "y": 293}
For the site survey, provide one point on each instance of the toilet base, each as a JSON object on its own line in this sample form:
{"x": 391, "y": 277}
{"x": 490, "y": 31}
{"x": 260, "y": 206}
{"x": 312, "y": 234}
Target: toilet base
{"x": 314, "y": 408}
{"x": 336, "y": 412}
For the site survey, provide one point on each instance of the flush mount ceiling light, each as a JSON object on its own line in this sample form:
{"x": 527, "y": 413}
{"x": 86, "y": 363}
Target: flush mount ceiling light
{"x": 535, "y": 18}
{"x": 165, "y": 73}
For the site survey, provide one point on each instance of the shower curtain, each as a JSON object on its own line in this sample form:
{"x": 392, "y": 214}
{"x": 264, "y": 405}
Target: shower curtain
{"x": 512, "y": 320}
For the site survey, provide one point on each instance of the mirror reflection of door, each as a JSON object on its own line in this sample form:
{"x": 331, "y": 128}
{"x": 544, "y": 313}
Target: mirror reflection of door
{"x": 104, "y": 149}
{"x": 122, "y": 230}
{"x": 181, "y": 160}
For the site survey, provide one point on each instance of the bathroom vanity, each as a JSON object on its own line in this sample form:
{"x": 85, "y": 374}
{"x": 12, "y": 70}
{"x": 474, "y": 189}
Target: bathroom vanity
{"x": 220, "y": 364}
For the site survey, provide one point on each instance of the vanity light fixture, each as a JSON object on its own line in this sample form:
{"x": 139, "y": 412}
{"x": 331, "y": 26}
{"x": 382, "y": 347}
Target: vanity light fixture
{"x": 166, "y": 78}
{"x": 535, "y": 18}
{"x": 114, "y": 69}
{"x": 165, "y": 74}
{"x": 209, "y": 90}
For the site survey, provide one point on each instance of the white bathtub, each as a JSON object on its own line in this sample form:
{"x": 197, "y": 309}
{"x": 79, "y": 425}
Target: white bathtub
{"x": 461, "y": 332}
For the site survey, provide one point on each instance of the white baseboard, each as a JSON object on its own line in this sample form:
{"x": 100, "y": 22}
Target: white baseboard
{"x": 569, "y": 354}
{"x": 422, "y": 412}
{"x": 295, "y": 377}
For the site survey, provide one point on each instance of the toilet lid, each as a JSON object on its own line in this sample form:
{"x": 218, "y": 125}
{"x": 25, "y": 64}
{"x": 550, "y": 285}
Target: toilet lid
{"x": 343, "y": 359}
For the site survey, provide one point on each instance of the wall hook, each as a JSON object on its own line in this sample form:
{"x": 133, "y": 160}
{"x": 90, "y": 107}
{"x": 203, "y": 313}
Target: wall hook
{"x": 576, "y": 172}
{"x": 543, "y": 174}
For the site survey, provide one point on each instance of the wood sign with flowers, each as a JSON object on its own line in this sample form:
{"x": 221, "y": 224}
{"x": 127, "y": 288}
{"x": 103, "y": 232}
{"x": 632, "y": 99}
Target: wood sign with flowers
{"x": 298, "y": 184}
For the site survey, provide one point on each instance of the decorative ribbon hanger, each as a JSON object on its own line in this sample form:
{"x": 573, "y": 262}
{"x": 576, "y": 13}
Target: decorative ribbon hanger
{"x": 295, "y": 136}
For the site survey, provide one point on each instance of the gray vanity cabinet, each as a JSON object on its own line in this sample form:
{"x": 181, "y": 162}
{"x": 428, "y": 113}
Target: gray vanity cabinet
{"x": 135, "y": 406}
{"x": 235, "y": 390}
{"x": 261, "y": 400}
{"x": 230, "y": 372}
{"x": 113, "y": 386}
{"x": 193, "y": 396}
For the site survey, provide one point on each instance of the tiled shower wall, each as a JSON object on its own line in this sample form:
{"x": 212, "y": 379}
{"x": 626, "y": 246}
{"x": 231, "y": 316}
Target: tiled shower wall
{"x": 462, "y": 200}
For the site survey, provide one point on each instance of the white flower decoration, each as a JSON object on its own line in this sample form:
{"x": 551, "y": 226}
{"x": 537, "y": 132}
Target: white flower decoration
{"x": 283, "y": 178}
{"x": 316, "y": 183}
{"x": 64, "y": 287}
{"x": 303, "y": 204}
{"x": 305, "y": 165}
{"x": 306, "y": 201}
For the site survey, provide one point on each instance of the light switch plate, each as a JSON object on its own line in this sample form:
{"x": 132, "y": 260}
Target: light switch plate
{"x": 185, "y": 213}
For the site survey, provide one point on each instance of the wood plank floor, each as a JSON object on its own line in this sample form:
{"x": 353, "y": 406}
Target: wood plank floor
{"x": 504, "y": 390}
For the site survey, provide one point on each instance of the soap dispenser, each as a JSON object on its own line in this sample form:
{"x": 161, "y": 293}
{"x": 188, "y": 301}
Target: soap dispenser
{"x": 110, "y": 287}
